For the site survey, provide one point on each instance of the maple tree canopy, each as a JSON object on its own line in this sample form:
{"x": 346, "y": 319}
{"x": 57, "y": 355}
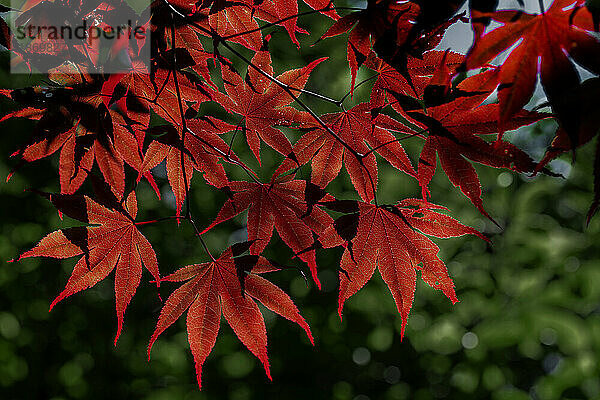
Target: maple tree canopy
{"x": 199, "y": 91}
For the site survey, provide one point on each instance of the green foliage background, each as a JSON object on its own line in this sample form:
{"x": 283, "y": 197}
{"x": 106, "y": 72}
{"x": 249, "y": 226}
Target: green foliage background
{"x": 527, "y": 325}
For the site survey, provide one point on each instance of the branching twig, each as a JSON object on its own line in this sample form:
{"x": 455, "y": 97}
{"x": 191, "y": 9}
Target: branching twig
{"x": 286, "y": 88}
{"x": 184, "y": 129}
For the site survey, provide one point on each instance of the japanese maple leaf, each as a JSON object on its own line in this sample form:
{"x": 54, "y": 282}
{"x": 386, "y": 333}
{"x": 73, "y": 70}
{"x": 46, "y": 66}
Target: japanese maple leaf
{"x": 392, "y": 239}
{"x": 264, "y": 104}
{"x": 283, "y": 12}
{"x": 389, "y": 81}
{"x": 552, "y": 37}
{"x": 84, "y": 130}
{"x": 453, "y": 131}
{"x": 281, "y": 205}
{"x": 202, "y": 150}
{"x": 321, "y": 5}
{"x": 111, "y": 241}
{"x": 144, "y": 88}
{"x": 370, "y": 24}
{"x": 228, "y": 286}
{"x": 236, "y": 21}
{"x": 356, "y": 130}
{"x": 231, "y": 21}
{"x": 394, "y": 30}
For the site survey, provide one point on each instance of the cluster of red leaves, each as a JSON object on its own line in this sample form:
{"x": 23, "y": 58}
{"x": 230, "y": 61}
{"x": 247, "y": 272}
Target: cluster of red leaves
{"x": 108, "y": 120}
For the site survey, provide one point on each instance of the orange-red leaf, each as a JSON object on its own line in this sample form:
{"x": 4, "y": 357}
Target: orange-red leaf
{"x": 279, "y": 205}
{"x": 360, "y": 131}
{"x": 111, "y": 242}
{"x": 551, "y": 37}
{"x": 264, "y": 104}
{"x": 214, "y": 289}
{"x": 391, "y": 238}
{"x": 453, "y": 132}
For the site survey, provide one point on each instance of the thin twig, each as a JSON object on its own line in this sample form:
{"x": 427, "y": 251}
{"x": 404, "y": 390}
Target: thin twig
{"x": 219, "y": 40}
{"x": 316, "y": 95}
{"x": 199, "y": 235}
{"x": 184, "y": 129}
{"x": 396, "y": 140}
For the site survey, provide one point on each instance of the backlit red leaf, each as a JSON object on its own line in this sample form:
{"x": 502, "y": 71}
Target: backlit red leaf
{"x": 112, "y": 242}
{"x": 214, "y": 289}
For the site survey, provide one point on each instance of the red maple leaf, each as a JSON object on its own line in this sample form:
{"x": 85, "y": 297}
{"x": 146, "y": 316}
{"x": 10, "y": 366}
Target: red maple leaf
{"x": 113, "y": 241}
{"x": 554, "y": 37}
{"x": 263, "y": 104}
{"x": 370, "y": 25}
{"x": 321, "y": 5}
{"x": 280, "y": 10}
{"x": 391, "y": 82}
{"x": 201, "y": 150}
{"x": 229, "y": 286}
{"x": 394, "y": 30}
{"x": 391, "y": 238}
{"x": 236, "y": 21}
{"x": 453, "y": 133}
{"x": 282, "y": 205}
{"x": 356, "y": 130}
{"x": 84, "y": 130}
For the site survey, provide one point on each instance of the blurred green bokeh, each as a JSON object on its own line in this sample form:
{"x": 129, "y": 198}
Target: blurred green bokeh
{"x": 527, "y": 325}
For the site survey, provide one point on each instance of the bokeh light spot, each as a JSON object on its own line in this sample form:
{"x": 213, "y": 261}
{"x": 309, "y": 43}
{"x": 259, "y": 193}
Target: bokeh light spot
{"x": 361, "y": 356}
{"x": 505, "y": 179}
{"x": 469, "y": 340}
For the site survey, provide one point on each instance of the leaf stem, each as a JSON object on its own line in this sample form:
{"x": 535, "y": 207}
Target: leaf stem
{"x": 341, "y": 101}
{"x": 411, "y": 135}
{"x": 153, "y": 221}
{"x": 199, "y": 235}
